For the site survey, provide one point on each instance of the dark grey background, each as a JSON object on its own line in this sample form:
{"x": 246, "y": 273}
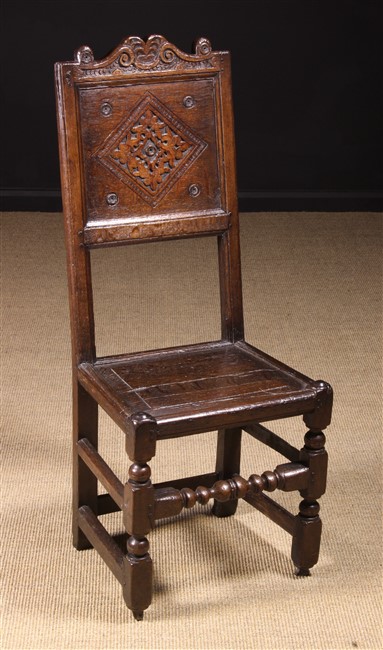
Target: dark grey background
{"x": 307, "y": 78}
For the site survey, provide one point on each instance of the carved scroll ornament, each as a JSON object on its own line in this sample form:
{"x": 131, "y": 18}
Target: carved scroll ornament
{"x": 134, "y": 55}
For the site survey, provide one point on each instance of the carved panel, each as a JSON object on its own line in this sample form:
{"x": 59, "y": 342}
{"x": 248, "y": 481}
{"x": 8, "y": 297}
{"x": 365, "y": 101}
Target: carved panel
{"x": 145, "y": 153}
{"x": 151, "y": 149}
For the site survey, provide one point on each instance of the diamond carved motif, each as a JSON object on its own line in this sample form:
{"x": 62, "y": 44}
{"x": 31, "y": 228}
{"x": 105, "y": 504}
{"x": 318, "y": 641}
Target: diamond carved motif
{"x": 151, "y": 149}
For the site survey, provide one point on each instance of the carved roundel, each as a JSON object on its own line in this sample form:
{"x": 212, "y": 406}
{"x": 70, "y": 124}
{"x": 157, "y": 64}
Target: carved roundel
{"x": 151, "y": 149}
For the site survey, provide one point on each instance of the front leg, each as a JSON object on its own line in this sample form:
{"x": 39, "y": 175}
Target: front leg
{"x": 138, "y": 514}
{"x": 308, "y": 525}
{"x": 138, "y": 521}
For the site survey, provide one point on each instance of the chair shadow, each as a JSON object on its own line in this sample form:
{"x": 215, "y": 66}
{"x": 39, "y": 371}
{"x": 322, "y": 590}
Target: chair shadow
{"x": 227, "y": 549}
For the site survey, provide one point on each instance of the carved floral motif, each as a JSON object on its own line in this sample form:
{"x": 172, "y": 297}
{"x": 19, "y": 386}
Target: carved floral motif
{"x": 151, "y": 149}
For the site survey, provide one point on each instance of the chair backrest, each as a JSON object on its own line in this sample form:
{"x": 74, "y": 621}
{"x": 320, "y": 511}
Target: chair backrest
{"x": 147, "y": 153}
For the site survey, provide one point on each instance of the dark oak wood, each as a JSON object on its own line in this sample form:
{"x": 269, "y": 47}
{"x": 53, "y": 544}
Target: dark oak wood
{"x": 102, "y": 541}
{"x": 106, "y": 505}
{"x": 271, "y": 439}
{"x": 227, "y": 464}
{"x": 272, "y": 510}
{"x": 147, "y": 153}
{"x": 101, "y": 470}
{"x": 84, "y": 482}
{"x": 288, "y": 477}
{"x": 198, "y": 388}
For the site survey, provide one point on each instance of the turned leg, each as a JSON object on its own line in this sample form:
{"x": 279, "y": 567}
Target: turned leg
{"x": 85, "y": 425}
{"x": 227, "y": 464}
{"x": 308, "y": 526}
{"x": 138, "y": 521}
{"x": 138, "y": 514}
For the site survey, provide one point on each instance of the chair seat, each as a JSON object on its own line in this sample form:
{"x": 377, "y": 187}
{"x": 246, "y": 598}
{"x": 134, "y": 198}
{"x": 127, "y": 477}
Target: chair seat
{"x": 199, "y": 387}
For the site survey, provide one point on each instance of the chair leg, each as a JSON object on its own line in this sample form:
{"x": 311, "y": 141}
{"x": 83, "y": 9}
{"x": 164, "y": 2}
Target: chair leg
{"x": 85, "y": 425}
{"x": 306, "y": 537}
{"x": 308, "y": 525}
{"x": 138, "y": 521}
{"x": 227, "y": 464}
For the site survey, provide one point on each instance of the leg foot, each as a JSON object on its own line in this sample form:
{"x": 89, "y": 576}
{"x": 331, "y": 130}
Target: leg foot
{"x": 301, "y": 572}
{"x": 80, "y": 541}
{"x": 138, "y": 569}
{"x": 306, "y": 537}
{"x": 224, "y": 509}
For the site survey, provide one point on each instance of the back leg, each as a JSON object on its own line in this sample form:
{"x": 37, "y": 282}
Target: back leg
{"x": 227, "y": 463}
{"x": 85, "y": 425}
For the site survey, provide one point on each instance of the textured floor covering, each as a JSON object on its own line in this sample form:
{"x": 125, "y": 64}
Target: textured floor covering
{"x": 313, "y": 298}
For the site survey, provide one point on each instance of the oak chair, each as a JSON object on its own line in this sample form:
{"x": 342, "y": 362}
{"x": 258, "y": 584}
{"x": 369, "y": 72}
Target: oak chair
{"x": 147, "y": 153}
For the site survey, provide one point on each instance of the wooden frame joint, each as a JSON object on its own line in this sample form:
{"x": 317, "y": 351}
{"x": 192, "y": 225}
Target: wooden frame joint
{"x": 101, "y": 470}
{"x": 141, "y": 437}
{"x": 320, "y": 417}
